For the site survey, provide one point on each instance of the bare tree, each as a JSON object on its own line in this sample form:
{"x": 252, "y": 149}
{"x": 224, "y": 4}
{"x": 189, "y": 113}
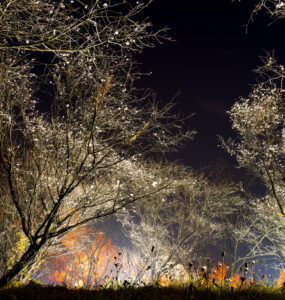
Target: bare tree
{"x": 252, "y": 231}
{"x": 171, "y": 227}
{"x": 275, "y": 8}
{"x": 259, "y": 123}
{"x": 270, "y": 230}
{"x": 259, "y": 146}
{"x": 77, "y": 159}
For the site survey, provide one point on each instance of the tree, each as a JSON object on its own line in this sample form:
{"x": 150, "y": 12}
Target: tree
{"x": 270, "y": 229}
{"x": 259, "y": 146}
{"x": 74, "y": 131}
{"x": 275, "y": 8}
{"x": 259, "y": 123}
{"x": 251, "y": 231}
{"x": 172, "y": 227}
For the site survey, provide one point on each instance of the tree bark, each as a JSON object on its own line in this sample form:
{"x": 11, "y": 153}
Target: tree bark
{"x": 20, "y": 265}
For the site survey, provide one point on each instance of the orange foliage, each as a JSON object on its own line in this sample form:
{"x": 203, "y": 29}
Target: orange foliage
{"x": 103, "y": 90}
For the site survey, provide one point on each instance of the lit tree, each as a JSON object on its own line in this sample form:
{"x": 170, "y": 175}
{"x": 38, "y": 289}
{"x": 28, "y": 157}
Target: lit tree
{"x": 271, "y": 231}
{"x": 172, "y": 227}
{"x": 275, "y": 8}
{"x": 259, "y": 123}
{"x": 260, "y": 148}
{"x": 253, "y": 231}
{"x": 73, "y": 129}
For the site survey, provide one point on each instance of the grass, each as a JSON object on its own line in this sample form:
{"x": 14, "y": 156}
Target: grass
{"x": 35, "y": 291}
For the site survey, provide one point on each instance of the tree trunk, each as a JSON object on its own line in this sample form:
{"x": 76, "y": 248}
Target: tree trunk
{"x": 26, "y": 258}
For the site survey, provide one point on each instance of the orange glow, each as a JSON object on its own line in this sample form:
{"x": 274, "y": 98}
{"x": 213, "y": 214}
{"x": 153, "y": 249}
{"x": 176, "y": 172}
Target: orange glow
{"x": 280, "y": 281}
{"x": 236, "y": 281}
{"x": 86, "y": 258}
{"x": 164, "y": 280}
{"x": 219, "y": 273}
{"x": 218, "y": 276}
{"x": 83, "y": 263}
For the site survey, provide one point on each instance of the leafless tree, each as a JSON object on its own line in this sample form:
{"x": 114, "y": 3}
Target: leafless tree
{"x": 259, "y": 146}
{"x": 170, "y": 228}
{"x": 259, "y": 123}
{"x": 77, "y": 159}
{"x": 270, "y": 230}
{"x": 275, "y": 8}
{"x": 252, "y": 231}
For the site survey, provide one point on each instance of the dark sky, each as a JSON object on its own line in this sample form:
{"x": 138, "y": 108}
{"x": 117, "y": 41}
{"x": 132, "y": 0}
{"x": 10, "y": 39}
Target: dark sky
{"x": 210, "y": 63}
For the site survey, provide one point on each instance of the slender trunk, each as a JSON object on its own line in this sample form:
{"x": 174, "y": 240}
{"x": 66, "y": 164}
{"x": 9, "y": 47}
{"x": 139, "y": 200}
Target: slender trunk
{"x": 26, "y": 258}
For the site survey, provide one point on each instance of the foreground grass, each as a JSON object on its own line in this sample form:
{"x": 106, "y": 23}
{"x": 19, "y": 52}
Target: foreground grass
{"x": 37, "y": 292}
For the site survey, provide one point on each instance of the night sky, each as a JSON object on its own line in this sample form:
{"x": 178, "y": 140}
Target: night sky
{"x": 210, "y": 63}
